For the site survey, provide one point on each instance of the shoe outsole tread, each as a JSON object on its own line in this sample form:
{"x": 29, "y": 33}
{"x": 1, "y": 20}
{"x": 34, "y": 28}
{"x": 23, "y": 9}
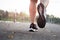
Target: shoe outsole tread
{"x": 41, "y": 21}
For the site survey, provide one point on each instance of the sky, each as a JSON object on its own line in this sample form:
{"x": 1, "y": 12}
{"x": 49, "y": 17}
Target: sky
{"x": 23, "y": 5}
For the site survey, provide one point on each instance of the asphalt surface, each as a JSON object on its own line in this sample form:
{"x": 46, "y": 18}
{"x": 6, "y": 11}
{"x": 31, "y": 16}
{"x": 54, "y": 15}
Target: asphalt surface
{"x": 19, "y": 31}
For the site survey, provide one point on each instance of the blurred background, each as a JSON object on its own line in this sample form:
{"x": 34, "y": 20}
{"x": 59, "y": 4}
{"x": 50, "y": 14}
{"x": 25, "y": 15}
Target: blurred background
{"x": 18, "y": 10}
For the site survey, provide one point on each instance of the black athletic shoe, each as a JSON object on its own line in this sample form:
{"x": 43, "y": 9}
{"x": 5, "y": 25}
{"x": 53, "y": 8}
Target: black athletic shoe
{"x": 33, "y": 27}
{"x": 41, "y": 21}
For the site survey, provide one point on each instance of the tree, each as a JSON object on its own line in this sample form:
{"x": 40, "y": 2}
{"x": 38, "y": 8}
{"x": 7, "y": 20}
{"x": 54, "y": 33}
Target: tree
{"x": 1, "y": 14}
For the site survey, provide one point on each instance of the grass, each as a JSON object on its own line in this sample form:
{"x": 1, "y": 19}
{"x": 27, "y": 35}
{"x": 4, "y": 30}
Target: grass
{"x": 11, "y": 19}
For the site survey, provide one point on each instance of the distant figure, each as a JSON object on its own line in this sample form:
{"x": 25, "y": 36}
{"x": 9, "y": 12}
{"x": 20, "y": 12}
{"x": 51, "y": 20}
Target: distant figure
{"x": 32, "y": 11}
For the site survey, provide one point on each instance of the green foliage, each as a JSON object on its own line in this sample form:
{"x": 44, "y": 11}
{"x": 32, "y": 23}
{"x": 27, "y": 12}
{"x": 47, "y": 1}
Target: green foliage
{"x": 52, "y": 19}
{"x": 21, "y": 17}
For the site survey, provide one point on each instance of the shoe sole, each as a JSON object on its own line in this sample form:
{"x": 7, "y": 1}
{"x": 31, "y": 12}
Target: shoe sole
{"x": 41, "y": 21}
{"x": 33, "y": 30}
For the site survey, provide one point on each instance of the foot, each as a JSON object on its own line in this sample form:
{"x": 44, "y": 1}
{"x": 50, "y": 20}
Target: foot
{"x": 41, "y": 21}
{"x": 33, "y": 28}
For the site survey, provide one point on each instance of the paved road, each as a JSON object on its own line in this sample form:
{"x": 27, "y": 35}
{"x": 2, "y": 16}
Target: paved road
{"x": 19, "y": 31}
